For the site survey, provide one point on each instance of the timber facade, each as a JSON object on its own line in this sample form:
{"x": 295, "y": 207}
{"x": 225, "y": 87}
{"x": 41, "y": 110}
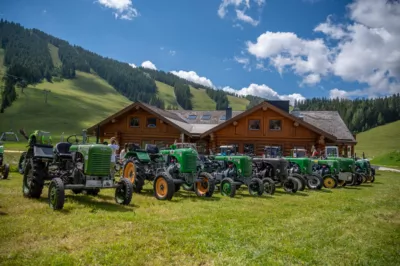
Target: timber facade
{"x": 268, "y": 124}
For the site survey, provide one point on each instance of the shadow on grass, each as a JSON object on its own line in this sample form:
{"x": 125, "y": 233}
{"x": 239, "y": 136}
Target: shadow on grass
{"x": 352, "y": 188}
{"x": 322, "y": 190}
{"x": 3, "y": 213}
{"x": 379, "y": 183}
{"x": 181, "y": 195}
{"x": 298, "y": 193}
{"x": 90, "y": 201}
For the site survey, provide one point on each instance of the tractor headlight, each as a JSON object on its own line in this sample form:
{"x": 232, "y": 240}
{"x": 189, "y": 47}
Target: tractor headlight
{"x": 178, "y": 165}
{"x": 79, "y": 166}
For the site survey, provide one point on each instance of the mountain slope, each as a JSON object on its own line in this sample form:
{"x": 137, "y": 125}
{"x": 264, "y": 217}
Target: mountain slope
{"x": 200, "y": 100}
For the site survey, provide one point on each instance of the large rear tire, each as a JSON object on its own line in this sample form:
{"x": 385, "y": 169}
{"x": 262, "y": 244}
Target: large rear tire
{"x": 130, "y": 172}
{"x": 290, "y": 185}
{"x": 228, "y": 187}
{"x": 56, "y": 194}
{"x": 124, "y": 192}
{"x": 33, "y": 181}
{"x": 206, "y": 187}
{"x": 269, "y": 186}
{"x": 164, "y": 187}
{"x": 314, "y": 182}
{"x": 256, "y": 187}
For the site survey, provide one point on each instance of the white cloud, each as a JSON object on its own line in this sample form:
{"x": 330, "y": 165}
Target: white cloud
{"x": 132, "y": 65}
{"x": 172, "y": 52}
{"x": 366, "y": 50}
{"x": 123, "y": 8}
{"x": 265, "y": 92}
{"x": 240, "y": 13}
{"x": 342, "y": 94}
{"x": 194, "y": 77}
{"x": 149, "y": 65}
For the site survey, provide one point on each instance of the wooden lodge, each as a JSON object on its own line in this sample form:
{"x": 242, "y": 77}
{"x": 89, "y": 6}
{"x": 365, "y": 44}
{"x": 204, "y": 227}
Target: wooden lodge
{"x": 268, "y": 124}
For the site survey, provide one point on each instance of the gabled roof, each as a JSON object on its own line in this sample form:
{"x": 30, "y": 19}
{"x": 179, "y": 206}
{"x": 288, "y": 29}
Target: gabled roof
{"x": 277, "y": 110}
{"x": 167, "y": 117}
{"x": 331, "y": 122}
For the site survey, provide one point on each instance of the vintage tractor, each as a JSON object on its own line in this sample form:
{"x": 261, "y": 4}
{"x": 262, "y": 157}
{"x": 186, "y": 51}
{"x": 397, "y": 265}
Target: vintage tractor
{"x": 303, "y": 167}
{"x": 234, "y": 171}
{"x": 363, "y": 167}
{"x": 328, "y": 169}
{"x": 4, "y": 168}
{"x": 180, "y": 168}
{"x": 90, "y": 169}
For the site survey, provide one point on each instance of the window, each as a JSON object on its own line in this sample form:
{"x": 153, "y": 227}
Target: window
{"x": 206, "y": 117}
{"x": 275, "y": 125}
{"x": 248, "y": 148}
{"x": 134, "y": 122}
{"x": 254, "y": 124}
{"x": 223, "y": 117}
{"x": 151, "y": 122}
{"x": 192, "y": 117}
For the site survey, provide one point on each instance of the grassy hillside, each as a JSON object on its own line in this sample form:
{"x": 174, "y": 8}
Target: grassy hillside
{"x": 238, "y": 104}
{"x": 166, "y": 93}
{"x": 54, "y": 55}
{"x": 72, "y": 105}
{"x": 201, "y": 101}
{"x": 381, "y": 143}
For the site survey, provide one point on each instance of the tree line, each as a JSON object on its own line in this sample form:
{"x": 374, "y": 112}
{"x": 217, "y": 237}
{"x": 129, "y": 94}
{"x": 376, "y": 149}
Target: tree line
{"x": 359, "y": 114}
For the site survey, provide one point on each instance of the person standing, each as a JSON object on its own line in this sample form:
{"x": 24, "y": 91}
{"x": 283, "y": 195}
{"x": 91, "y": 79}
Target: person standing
{"x": 114, "y": 146}
{"x": 123, "y": 152}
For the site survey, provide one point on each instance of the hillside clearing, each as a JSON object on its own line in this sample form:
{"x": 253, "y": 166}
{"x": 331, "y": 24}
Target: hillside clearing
{"x": 201, "y": 101}
{"x": 54, "y": 55}
{"x": 166, "y": 93}
{"x": 359, "y": 223}
{"x": 238, "y": 104}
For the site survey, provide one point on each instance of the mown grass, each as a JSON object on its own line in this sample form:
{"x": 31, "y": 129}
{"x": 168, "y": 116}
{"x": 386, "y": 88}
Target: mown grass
{"x": 391, "y": 159}
{"x": 201, "y": 101}
{"x": 72, "y": 105}
{"x": 347, "y": 226}
{"x": 237, "y": 104}
{"x": 54, "y": 55}
{"x": 166, "y": 93}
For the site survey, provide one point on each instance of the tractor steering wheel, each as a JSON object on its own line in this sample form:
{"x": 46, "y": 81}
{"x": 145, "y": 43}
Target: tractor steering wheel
{"x": 76, "y": 139}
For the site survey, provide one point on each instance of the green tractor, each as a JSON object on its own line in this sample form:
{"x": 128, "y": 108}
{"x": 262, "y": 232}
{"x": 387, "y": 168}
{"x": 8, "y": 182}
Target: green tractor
{"x": 329, "y": 170}
{"x": 363, "y": 167}
{"x": 180, "y": 168}
{"x": 89, "y": 169}
{"x": 237, "y": 170}
{"x": 299, "y": 164}
{"x": 4, "y": 168}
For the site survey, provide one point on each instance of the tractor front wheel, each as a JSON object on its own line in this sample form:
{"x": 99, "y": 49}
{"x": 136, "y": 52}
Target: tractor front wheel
{"x": 21, "y": 163}
{"x": 256, "y": 187}
{"x": 269, "y": 186}
{"x": 330, "y": 181}
{"x": 206, "y": 187}
{"x": 228, "y": 187}
{"x": 342, "y": 183}
{"x": 56, "y": 194}
{"x": 164, "y": 187}
{"x": 6, "y": 170}
{"x": 301, "y": 183}
{"x": 124, "y": 191}
{"x": 290, "y": 185}
{"x": 314, "y": 182}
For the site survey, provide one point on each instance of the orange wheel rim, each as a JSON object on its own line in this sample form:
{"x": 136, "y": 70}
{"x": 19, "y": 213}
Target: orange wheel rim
{"x": 130, "y": 172}
{"x": 161, "y": 187}
{"x": 202, "y": 186}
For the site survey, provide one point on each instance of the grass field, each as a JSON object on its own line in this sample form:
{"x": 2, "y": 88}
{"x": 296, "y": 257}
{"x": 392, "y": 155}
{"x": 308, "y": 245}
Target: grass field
{"x": 238, "y": 104}
{"x": 347, "y": 226}
{"x": 72, "y": 105}
{"x": 201, "y": 101}
{"x": 381, "y": 143}
{"x": 166, "y": 93}
{"x": 54, "y": 55}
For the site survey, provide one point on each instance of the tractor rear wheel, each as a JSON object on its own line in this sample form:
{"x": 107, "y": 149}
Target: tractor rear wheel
{"x": 330, "y": 181}
{"x": 301, "y": 182}
{"x": 56, "y": 194}
{"x": 32, "y": 183}
{"x": 206, "y": 187}
{"x": 6, "y": 170}
{"x": 256, "y": 187}
{"x": 290, "y": 185}
{"x": 124, "y": 192}
{"x": 21, "y": 163}
{"x": 164, "y": 187}
{"x": 269, "y": 186}
{"x": 228, "y": 187}
{"x": 314, "y": 182}
{"x": 129, "y": 171}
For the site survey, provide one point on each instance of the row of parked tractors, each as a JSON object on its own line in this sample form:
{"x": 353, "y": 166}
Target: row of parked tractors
{"x": 85, "y": 167}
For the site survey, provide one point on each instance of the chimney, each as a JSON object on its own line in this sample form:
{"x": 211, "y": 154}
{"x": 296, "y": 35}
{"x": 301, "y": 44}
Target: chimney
{"x": 228, "y": 114}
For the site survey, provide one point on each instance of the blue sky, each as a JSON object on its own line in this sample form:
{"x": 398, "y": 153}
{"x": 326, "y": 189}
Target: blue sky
{"x": 286, "y": 49}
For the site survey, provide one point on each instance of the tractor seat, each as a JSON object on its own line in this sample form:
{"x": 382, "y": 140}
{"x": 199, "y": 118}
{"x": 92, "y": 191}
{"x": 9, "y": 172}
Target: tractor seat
{"x": 62, "y": 149}
{"x": 152, "y": 149}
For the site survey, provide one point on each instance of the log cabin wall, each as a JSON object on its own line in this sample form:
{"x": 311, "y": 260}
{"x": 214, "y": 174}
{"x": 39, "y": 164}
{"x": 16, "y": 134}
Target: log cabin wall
{"x": 141, "y": 127}
{"x": 265, "y": 128}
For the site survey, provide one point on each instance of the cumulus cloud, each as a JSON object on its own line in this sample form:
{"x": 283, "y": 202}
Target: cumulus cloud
{"x": 132, "y": 65}
{"x": 123, "y": 8}
{"x": 149, "y": 65}
{"x": 241, "y": 6}
{"x": 264, "y": 91}
{"x": 194, "y": 77}
{"x": 366, "y": 50}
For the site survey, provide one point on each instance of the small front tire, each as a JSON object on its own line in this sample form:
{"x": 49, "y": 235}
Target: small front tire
{"x": 290, "y": 185}
{"x": 124, "y": 192}
{"x": 164, "y": 187}
{"x": 330, "y": 181}
{"x": 6, "y": 171}
{"x": 256, "y": 187}
{"x": 228, "y": 187}
{"x": 56, "y": 194}
{"x": 269, "y": 186}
